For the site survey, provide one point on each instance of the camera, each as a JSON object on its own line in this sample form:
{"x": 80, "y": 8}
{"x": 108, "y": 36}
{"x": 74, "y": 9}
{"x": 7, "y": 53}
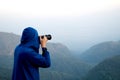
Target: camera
{"x": 49, "y": 37}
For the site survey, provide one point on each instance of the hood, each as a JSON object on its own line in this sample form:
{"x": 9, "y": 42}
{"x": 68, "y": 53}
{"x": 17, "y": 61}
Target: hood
{"x": 30, "y": 38}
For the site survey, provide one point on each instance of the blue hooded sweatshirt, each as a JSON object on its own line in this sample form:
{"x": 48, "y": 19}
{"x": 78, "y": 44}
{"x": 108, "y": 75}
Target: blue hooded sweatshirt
{"x": 27, "y": 59}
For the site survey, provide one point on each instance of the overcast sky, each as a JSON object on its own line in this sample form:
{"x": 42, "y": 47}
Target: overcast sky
{"x": 73, "y": 22}
{"x": 55, "y": 7}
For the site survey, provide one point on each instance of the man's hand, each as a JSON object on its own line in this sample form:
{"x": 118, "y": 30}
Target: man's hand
{"x": 43, "y": 41}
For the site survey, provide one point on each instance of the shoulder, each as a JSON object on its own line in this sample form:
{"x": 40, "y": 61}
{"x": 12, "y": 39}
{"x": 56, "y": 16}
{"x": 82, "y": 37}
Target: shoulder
{"x": 24, "y": 51}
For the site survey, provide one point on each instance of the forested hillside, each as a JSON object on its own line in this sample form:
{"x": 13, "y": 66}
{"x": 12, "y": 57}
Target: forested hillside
{"x": 108, "y": 69}
{"x": 64, "y": 66}
{"x": 100, "y": 52}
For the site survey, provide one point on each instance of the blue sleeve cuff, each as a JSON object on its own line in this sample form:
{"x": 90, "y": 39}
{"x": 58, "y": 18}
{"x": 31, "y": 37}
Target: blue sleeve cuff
{"x": 44, "y": 49}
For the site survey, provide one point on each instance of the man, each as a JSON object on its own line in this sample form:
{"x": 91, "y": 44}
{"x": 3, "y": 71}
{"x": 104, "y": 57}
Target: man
{"x": 27, "y": 59}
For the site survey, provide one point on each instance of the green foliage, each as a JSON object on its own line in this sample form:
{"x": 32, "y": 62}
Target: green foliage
{"x": 109, "y": 69}
{"x": 5, "y": 74}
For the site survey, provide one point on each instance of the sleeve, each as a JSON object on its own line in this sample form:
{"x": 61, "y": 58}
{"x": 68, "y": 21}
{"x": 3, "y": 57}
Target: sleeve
{"x": 40, "y": 60}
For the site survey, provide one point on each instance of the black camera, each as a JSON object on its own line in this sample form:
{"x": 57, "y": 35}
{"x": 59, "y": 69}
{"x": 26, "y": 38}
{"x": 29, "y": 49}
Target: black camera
{"x": 49, "y": 37}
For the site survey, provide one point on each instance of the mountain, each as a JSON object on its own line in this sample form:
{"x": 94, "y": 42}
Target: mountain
{"x": 64, "y": 66}
{"x": 101, "y": 51}
{"x": 8, "y": 42}
{"x": 108, "y": 69}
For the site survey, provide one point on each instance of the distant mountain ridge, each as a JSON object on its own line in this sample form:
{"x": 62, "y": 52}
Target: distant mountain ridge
{"x": 109, "y": 69}
{"x": 101, "y": 51}
{"x": 64, "y": 65}
{"x": 103, "y": 57}
{"x": 8, "y": 42}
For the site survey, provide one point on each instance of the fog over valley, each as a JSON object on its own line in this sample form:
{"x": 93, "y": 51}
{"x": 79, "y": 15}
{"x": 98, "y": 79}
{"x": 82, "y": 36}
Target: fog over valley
{"x": 77, "y": 32}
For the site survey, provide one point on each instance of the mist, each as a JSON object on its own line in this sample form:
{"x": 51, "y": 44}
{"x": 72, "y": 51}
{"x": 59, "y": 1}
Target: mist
{"x": 78, "y": 33}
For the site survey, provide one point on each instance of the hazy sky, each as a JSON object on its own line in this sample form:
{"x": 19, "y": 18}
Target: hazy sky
{"x": 76, "y": 23}
{"x": 56, "y": 7}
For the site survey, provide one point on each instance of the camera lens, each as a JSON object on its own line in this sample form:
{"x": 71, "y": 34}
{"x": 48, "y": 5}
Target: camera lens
{"x": 49, "y": 37}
